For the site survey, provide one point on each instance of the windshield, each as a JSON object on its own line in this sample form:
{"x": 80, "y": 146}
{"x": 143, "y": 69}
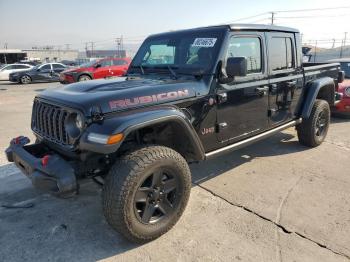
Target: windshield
{"x": 184, "y": 52}
{"x": 88, "y": 64}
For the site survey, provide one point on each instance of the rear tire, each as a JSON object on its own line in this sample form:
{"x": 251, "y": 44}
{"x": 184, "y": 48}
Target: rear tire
{"x": 25, "y": 79}
{"x": 146, "y": 192}
{"x": 313, "y": 130}
{"x": 84, "y": 78}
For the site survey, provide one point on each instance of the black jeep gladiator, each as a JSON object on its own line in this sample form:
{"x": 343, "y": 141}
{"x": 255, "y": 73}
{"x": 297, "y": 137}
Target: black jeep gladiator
{"x": 188, "y": 96}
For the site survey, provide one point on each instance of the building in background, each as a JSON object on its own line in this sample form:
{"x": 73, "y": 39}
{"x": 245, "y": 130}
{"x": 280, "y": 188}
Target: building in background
{"x": 48, "y": 54}
{"x": 105, "y": 53}
{"x": 9, "y": 56}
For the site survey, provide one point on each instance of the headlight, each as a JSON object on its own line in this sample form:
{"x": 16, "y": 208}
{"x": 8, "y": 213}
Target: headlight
{"x": 347, "y": 91}
{"x": 75, "y": 125}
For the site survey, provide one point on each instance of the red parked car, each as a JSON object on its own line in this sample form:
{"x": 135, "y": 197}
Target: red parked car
{"x": 342, "y": 108}
{"x": 102, "y": 68}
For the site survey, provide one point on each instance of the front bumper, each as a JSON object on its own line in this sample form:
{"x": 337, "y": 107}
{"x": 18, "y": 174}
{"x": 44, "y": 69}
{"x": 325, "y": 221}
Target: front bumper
{"x": 48, "y": 171}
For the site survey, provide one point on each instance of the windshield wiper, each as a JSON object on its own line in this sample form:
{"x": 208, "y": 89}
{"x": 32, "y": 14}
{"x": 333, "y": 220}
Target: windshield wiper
{"x": 172, "y": 72}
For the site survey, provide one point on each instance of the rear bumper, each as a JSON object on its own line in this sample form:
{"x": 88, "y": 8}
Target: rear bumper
{"x": 48, "y": 172}
{"x": 13, "y": 78}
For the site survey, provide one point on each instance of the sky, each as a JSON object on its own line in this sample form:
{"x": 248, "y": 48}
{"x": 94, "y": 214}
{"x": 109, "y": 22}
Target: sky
{"x": 24, "y": 24}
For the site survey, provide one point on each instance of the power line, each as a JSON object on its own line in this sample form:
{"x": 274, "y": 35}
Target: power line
{"x": 245, "y": 18}
{"x": 310, "y": 16}
{"x": 313, "y": 9}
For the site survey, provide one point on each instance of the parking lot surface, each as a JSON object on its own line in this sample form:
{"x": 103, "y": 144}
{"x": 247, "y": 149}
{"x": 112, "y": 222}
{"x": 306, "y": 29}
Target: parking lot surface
{"x": 272, "y": 201}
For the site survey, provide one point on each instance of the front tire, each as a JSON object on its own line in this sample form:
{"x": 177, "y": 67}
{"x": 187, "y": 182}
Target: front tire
{"x": 313, "y": 131}
{"x": 146, "y": 192}
{"x": 84, "y": 78}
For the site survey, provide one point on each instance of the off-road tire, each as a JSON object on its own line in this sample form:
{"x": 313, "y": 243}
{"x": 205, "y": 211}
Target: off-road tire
{"x": 125, "y": 178}
{"x": 84, "y": 78}
{"x": 307, "y": 130}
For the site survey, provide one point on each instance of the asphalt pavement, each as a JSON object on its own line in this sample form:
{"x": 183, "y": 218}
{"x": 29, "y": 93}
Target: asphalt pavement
{"x": 272, "y": 201}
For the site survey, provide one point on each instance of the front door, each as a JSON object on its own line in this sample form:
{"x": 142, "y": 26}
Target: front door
{"x": 242, "y": 109}
{"x": 44, "y": 73}
{"x": 285, "y": 79}
{"x": 104, "y": 71}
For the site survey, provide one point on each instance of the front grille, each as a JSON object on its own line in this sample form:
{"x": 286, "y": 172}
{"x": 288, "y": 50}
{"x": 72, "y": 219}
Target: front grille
{"x": 48, "y": 121}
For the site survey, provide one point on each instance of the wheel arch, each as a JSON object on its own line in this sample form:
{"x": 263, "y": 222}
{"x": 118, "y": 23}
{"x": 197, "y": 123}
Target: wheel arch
{"x": 166, "y": 127}
{"x": 323, "y": 88}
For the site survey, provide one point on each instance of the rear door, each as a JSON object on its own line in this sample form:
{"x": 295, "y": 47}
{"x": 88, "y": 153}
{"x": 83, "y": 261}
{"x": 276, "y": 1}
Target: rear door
{"x": 119, "y": 67}
{"x": 243, "y": 104}
{"x": 285, "y": 77}
{"x": 57, "y": 69}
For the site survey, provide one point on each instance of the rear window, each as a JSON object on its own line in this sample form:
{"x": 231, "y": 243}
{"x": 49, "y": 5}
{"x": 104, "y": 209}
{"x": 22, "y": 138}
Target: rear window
{"x": 281, "y": 53}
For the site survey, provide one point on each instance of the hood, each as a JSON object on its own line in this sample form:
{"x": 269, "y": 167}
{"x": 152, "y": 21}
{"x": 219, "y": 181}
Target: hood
{"x": 118, "y": 95}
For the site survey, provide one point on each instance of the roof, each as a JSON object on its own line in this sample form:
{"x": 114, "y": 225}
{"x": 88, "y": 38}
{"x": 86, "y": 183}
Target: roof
{"x": 237, "y": 27}
{"x": 260, "y": 27}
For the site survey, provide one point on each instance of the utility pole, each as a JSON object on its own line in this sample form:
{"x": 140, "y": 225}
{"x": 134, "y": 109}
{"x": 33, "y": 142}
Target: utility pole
{"x": 343, "y": 43}
{"x": 272, "y": 17}
{"x": 315, "y": 51}
{"x": 86, "y": 49}
{"x": 333, "y": 45}
{"x": 67, "y": 46}
{"x": 92, "y": 49}
{"x": 120, "y": 46}
{"x": 5, "y": 46}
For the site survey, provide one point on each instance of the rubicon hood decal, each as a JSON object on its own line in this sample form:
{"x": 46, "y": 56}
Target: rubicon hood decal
{"x": 130, "y": 102}
{"x": 118, "y": 95}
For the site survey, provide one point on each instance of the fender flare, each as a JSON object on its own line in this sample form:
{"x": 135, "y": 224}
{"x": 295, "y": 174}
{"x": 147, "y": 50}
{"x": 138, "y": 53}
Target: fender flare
{"x": 128, "y": 122}
{"x": 312, "y": 90}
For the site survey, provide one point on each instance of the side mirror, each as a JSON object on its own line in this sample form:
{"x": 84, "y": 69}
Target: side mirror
{"x": 97, "y": 65}
{"x": 38, "y": 69}
{"x": 236, "y": 66}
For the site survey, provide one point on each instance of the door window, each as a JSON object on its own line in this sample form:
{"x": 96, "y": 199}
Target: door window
{"x": 45, "y": 67}
{"x": 250, "y": 48}
{"x": 58, "y": 66}
{"x": 281, "y": 53}
{"x": 106, "y": 63}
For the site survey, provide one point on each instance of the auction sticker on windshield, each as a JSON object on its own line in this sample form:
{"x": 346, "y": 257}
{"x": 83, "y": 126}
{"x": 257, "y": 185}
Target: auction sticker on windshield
{"x": 204, "y": 42}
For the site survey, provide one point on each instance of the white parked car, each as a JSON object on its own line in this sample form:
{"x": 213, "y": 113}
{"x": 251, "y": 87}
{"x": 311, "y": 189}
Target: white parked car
{"x": 6, "y": 70}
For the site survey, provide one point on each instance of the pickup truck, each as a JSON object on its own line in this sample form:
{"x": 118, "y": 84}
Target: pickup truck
{"x": 188, "y": 96}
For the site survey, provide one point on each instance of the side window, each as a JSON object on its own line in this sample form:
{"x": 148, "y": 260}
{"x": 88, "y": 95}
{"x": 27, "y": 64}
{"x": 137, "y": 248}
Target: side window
{"x": 10, "y": 67}
{"x": 281, "y": 53}
{"x": 45, "y": 67}
{"x": 58, "y": 66}
{"x": 250, "y": 48}
{"x": 22, "y": 67}
{"x": 106, "y": 63}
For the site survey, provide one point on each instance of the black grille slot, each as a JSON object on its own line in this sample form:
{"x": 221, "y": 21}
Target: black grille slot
{"x": 48, "y": 121}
